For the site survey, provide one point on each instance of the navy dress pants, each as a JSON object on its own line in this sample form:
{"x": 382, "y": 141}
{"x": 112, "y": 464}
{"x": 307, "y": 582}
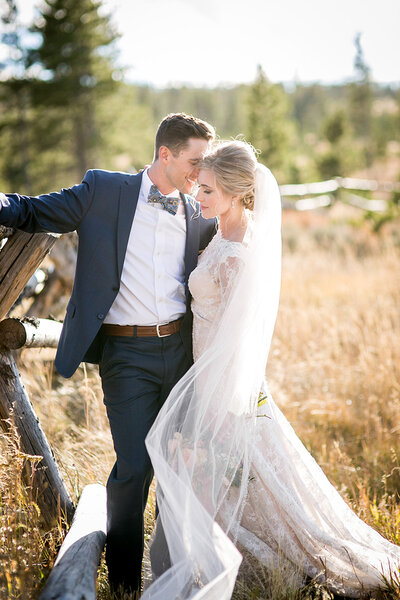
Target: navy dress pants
{"x": 137, "y": 375}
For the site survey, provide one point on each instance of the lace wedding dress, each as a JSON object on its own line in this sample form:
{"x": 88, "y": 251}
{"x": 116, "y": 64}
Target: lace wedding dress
{"x": 292, "y": 511}
{"x": 231, "y": 473}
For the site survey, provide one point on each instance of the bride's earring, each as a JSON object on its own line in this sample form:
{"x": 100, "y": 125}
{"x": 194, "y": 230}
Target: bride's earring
{"x": 233, "y": 204}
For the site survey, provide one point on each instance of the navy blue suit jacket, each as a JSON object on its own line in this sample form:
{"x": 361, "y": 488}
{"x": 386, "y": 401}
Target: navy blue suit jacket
{"x": 101, "y": 209}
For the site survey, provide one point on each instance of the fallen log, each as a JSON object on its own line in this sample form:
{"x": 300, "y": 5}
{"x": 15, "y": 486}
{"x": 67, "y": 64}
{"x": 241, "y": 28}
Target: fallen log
{"x": 45, "y": 479}
{"x": 75, "y": 570}
{"x": 29, "y": 332}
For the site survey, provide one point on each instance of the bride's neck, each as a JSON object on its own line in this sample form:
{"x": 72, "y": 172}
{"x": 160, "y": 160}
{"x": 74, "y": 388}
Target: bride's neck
{"x": 233, "y": 225}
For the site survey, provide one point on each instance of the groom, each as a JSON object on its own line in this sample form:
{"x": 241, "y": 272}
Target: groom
{"x": 139, "y": 239}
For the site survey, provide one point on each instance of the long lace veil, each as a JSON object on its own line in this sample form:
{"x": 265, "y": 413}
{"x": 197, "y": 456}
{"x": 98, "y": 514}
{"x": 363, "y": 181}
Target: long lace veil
{"x": 202, "y": 440}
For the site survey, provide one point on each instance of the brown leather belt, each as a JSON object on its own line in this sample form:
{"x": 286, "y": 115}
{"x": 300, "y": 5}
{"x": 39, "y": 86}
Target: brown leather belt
{"x": 142, "y": 330}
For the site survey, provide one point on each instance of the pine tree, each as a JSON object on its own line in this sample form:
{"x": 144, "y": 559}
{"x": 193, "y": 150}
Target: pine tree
{"x": 15, "y": 119}
{"x": 268, "y": 124}
{"x": 361, "y": 94}
{"x": 76, "y": 60}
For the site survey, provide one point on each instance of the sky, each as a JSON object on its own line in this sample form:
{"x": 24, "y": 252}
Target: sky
{"x": 213, "y": 42}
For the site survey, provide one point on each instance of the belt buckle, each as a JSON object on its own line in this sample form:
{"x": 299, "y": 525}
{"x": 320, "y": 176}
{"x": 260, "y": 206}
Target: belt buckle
{"x": 158, "y": 331}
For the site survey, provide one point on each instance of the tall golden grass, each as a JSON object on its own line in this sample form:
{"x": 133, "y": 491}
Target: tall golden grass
{"x": 334, "y": 369}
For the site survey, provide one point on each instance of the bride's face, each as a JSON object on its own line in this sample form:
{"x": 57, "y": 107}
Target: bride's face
{"x": 214, "y": 202}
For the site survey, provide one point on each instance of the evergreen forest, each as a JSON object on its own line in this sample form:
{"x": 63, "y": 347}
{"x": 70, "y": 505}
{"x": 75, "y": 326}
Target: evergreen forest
{"x": 66, "y": 106}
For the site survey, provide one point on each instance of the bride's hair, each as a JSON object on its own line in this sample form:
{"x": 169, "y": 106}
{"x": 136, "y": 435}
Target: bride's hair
{"x": 233, "y": 164}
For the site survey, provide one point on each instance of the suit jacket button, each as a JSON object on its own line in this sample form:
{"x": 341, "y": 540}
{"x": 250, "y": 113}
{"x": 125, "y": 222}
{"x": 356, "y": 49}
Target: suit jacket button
{"x": 115, "y": 288}
{"x": 100, "y": 316}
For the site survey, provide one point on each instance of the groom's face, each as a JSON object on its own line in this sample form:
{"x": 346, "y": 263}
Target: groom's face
{"x": 182, "y": 170}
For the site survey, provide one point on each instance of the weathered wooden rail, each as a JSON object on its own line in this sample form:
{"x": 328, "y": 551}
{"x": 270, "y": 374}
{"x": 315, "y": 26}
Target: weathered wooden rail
{"x": 45, "y": 479}
{"x": 321, "y": 194}
{"x": 21, "y": 254}
{"x": 74, "y": 573}
{"x": 29, "y": 333}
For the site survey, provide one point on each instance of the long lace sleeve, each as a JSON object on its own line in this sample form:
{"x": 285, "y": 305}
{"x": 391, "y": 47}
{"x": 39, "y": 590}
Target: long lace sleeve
{"x": 211, "y": 284}
{"x": 228, "y": 271}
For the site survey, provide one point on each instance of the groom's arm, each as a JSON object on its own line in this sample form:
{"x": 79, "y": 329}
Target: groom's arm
{"x": 57, "y": 212}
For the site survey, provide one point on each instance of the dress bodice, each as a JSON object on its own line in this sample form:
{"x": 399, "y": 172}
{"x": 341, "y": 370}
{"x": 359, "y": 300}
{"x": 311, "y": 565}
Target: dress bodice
{"x": 209, "y": 285}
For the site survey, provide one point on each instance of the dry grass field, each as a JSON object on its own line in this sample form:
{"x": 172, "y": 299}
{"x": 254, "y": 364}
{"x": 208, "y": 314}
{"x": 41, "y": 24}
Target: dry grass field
{"x": 334, "y": 370}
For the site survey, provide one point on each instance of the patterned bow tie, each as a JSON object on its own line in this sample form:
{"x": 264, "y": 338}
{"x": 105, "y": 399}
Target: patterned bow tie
{"x": 168, "y": 203}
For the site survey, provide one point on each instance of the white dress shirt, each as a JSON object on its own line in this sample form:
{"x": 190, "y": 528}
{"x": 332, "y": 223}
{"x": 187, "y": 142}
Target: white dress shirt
{"x": 152, "y": 289}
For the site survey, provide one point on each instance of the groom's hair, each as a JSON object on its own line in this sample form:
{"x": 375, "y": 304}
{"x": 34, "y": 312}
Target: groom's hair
{"x": 176, "y": 129}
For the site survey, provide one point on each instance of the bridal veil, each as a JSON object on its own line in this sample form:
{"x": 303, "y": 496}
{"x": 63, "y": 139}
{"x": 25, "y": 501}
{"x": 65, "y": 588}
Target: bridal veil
{"x": 201, "y": 443}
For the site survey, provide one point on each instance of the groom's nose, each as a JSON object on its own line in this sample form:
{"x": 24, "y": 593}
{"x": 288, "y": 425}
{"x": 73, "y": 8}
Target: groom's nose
{"x": 195, "y": 172}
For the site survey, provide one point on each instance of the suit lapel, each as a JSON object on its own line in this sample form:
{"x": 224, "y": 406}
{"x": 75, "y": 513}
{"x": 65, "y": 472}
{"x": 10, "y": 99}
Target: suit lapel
{"x": 192, "y": 237}
{"x": 126, "y": 211}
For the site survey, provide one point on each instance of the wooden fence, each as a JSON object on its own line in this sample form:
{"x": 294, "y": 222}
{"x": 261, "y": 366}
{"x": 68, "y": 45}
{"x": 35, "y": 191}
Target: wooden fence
{"x": 322, "y": 194}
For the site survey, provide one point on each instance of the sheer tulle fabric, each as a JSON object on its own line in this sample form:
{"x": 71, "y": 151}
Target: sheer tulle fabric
{"x": 230, "y": 470}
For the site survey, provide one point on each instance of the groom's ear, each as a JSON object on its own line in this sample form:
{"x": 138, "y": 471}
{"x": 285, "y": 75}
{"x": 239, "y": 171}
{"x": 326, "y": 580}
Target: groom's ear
{"x": 164, "y": 154}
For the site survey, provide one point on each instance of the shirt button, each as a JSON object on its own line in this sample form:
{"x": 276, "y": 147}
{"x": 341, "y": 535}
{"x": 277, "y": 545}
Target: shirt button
{"x": 100, "y": 316}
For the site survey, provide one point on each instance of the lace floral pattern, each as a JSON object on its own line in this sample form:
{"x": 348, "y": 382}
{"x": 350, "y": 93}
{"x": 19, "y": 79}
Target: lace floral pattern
{"x": 210, "y": 284}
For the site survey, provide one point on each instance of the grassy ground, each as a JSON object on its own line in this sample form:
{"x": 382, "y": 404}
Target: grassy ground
{"x": 334, "y": 370}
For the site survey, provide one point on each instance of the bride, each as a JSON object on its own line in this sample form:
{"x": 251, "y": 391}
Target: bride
{"x": 233, "y": 479}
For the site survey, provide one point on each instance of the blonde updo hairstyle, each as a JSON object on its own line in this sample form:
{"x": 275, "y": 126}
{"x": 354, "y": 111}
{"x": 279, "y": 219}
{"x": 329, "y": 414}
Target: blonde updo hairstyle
{"x": 233, "y": 164}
